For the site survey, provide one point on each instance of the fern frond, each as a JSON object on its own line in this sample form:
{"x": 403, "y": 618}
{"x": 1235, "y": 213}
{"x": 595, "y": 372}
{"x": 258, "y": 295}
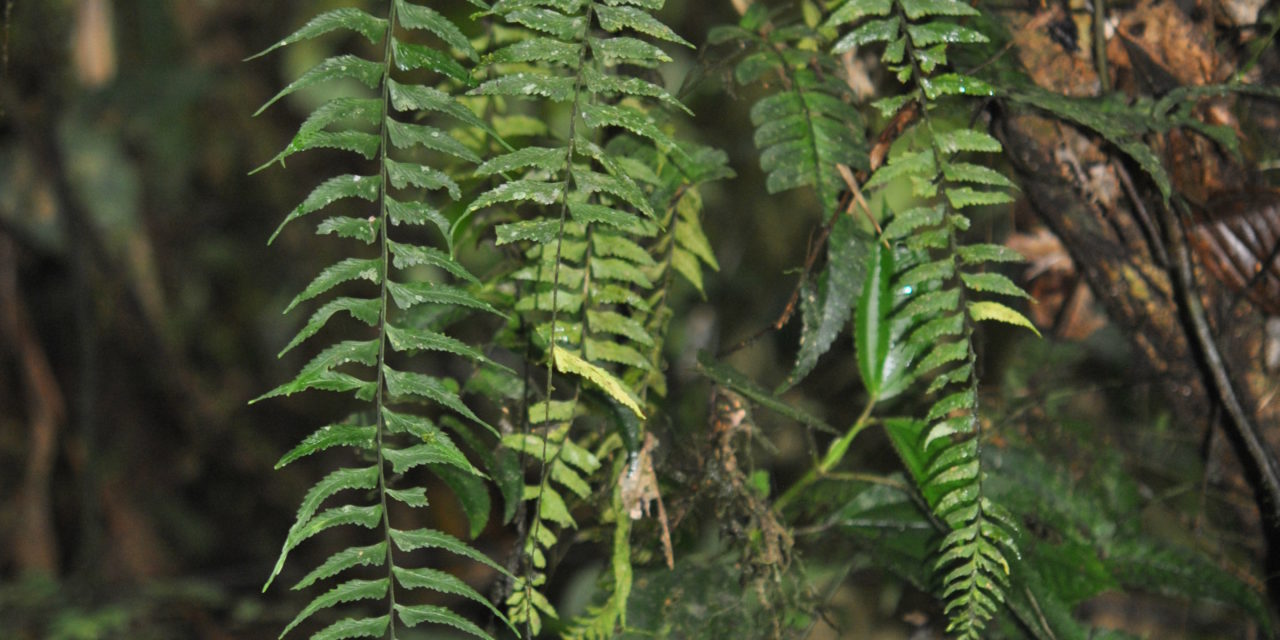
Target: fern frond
{"x": 806, "y": 124}
{"x": 397, "y": 129}
{"x": 941, "y": 281}
{"x": 582, "y": 218}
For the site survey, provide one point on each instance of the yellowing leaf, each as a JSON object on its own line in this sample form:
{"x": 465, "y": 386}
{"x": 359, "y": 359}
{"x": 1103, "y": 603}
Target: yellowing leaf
{"x": 980, "y": 311}
{"x": 569, "y": 362}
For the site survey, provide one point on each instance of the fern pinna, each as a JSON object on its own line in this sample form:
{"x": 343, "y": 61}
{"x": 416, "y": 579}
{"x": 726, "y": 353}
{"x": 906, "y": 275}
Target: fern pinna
{"x": 932, "y": 331}
{"x": 582, "y": 220}
{"x": 395, "y": 427}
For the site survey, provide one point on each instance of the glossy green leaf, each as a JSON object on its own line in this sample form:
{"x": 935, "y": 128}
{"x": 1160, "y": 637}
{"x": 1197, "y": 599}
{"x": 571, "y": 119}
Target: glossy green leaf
{"x": 416, "y": 16}
{"x": 871, "y": 324}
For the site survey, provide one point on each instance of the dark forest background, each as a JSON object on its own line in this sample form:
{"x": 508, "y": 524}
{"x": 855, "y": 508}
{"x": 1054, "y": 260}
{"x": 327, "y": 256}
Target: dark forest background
{"x": 139, "y": 312}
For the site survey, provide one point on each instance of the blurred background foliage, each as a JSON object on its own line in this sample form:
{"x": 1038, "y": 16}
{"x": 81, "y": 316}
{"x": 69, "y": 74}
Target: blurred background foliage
{"x": 139, "y": 306}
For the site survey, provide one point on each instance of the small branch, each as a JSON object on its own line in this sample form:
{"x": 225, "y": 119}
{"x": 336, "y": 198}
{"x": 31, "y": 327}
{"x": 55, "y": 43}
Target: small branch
{"x": 1219, "y": 378}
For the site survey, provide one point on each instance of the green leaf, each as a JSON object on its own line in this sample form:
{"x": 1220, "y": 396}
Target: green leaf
{"x": 614, "y": 19}
{"x": 974, "y": 254}
{"x": 551, "y": 506}
{"x": 538, "y": 231}
{"x": 436, "y": 446}
{"x": 441, "y": 582}
{"x": 1141, "y": 564}
{"x": 571, "y": 363}
{"x": 347, "y": 269}
{"x": 536, "y": 191}
{"x": 904, "y": 224}
{"x": 917, "y": 9}
{"x": 334, "y": 435}
{"x": 346, "y": 66}
{"x": 991, "y": 282}
{"x": 625, "y": 50}
{"x": 435, "y": 389}
{"x": 871, "y": 324}
{"x": 415, "y": 615}
{"x": 409, "y": 340}
{"x": 355, "y": 628}
{"x": 354, "y": 19}
{"x": 529, "y": 85}
{"x": 410, "y": 255}
{"x": 367, "y": 517}
{"x": 967, "y": 140}
{"x": 980, "y": 311}
{"x": 882, "y": 30}
{"x": 340, "y": 480}
{"x": 415, "y": 16}
{"x": 472, "y": 493}
{"x": 416, "y": 539}
{"x": 407, "y": 174}
{"x": 854, "y": 10}
{"x": 411, "y": 97}
{"x": 409, "y": 295}
{"x": 404, "y": 136}
{"x": 596, "y": 116}
{"x": 547, "y": 21}
{"x": 349, "y": 591}
{"x": 537, "y": 49}
{"x": 375, "y": 555}
{"x": 940, "y": 31}
{"x": 618, "y": 324}
{"x": 363, "y": 309}
{"x": 330, "y": 191}
{"x": 961, "y": 197}
{"x": 548, "y": 159}
{"x": 409, "y": 57}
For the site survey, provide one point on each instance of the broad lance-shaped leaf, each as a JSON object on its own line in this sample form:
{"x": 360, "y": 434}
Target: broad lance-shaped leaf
{"x": 872, "y": 322}
{"x": 844, "y": 274}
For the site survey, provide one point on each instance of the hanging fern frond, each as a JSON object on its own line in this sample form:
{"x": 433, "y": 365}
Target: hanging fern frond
{"x": 397, "y": 128}
{"x": 946, "y": 292}
{"x": 806, "y": 124}
{"x": 582, "y": 216}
